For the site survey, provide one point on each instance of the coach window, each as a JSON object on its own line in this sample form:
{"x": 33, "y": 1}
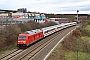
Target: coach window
{"x": 46, "y": 31}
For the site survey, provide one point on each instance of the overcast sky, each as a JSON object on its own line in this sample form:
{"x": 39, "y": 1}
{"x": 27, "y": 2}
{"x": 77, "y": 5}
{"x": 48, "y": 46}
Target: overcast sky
{"x": 48, "y": 6}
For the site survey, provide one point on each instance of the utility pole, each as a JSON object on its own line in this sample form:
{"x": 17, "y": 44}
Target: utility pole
{"x": 77, "y": 14}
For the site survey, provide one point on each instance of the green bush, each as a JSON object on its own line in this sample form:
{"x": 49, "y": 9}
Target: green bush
{"x": 86, "y": 30}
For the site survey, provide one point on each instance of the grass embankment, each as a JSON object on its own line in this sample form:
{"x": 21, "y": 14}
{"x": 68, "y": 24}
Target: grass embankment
{"x": 7, "y": 49}
{"x": 83, "y": 52}
{"x": 77, "y": 56}
{"x": 76, "y": 46}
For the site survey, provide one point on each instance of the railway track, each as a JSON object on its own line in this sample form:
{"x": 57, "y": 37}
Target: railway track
{"x": 33, "y": 52}
{"x": 11, "y": 54}
{"x": 42, "y": 55}
{"x": 14, "y": 53}
{"x": 27, "y": 54}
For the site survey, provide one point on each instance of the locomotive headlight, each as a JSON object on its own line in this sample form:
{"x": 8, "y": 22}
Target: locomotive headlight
{"x": 19, "y": 41}
{"x": 24, "y": 42}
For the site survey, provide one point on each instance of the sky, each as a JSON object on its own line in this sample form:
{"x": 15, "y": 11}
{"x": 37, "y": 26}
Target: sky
{"x": 48, "y": 6}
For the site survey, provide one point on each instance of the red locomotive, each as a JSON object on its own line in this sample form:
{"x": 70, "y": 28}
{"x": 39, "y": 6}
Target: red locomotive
{"x": 29, "y": 37}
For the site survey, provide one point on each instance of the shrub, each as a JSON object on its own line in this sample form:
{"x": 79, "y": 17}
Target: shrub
{"x": 2, "y": 41}
{"x": 23, "y": 27}
{"x": 11, "y": 33}
{"x": 77, "y": 33}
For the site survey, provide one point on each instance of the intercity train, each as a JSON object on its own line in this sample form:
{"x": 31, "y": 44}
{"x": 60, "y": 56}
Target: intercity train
{"x": 28, "y": 37}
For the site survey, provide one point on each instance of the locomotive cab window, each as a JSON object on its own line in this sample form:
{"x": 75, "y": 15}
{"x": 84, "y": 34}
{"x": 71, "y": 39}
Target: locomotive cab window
{"x": 22, "y": 37}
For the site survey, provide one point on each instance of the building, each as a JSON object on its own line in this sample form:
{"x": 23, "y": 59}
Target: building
{"x": 22, "y": 10}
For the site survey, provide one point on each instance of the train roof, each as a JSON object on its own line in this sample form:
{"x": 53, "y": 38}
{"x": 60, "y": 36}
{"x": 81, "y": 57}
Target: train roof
{"x": 29, "y": 32}
{"x": 37, "y": 30}
{"x": 33, "y": 31}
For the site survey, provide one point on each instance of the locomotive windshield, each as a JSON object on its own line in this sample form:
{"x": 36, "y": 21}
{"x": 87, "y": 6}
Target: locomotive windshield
{"x": 22, "y": 37}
